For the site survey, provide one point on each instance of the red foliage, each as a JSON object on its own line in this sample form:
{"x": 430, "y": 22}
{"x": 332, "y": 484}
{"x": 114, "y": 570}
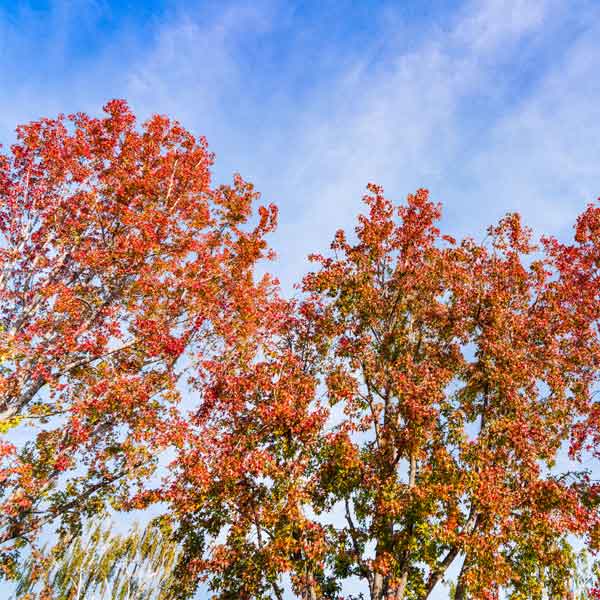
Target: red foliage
{"x": 422, "y": 389}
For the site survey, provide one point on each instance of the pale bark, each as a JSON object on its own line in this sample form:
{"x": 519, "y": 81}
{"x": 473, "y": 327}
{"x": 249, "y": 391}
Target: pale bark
{"x": 400, "y": 591}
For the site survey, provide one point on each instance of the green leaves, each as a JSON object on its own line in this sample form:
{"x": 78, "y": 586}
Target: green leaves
{"x": 99, "y": 563}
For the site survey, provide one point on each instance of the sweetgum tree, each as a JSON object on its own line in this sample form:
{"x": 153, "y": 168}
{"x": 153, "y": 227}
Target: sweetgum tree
{"x": 456, "y": 377}
{"x": 405, "y": 423}
{"x": 462, "y": 370}
{"x": 121, "y": 266}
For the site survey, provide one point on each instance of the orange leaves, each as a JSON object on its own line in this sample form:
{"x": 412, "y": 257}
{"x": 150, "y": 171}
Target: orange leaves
{"x": 122, "y": 270}
{"x": 587, "y": 229}
{"x": 460, "y": 374}
{"x": 420, "y": 391}
{"x": 341, "y": 386}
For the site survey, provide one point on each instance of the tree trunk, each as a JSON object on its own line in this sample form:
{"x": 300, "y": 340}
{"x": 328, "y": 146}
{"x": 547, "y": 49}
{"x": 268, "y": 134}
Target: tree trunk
{"x": 399, "y": 592}
{"x": 377, "y": 587}
{"x": 309, "y": 593}
{"x": 401, "y": 589}
{"x": 461, "y": 590}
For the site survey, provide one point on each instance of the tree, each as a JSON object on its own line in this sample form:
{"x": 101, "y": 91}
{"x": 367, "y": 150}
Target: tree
{"x": 121, "y": 268}
{"x": 462, "y": 370}
{"x": 408, "y": 413}
{"x": 98, "y": 563}
{"x": 454, "y": 372}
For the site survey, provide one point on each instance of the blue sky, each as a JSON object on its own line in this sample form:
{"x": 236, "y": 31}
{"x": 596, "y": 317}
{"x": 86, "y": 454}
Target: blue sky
{"x": 494, "y": 105}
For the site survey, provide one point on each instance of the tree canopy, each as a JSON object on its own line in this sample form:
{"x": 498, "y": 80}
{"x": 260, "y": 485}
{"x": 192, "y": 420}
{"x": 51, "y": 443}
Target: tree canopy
{"x": 422, "y": 413}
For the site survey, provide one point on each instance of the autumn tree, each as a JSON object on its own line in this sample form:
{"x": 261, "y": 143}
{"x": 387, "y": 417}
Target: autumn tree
{"x": 461, "y": 370}
{"x": 121, "y": 268}
{"x": 406, "y": 418}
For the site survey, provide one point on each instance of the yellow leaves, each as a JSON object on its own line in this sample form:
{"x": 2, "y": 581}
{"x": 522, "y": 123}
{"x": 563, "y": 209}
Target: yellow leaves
{"x": 7, "y": 424}
{"x": 8, "y": 348}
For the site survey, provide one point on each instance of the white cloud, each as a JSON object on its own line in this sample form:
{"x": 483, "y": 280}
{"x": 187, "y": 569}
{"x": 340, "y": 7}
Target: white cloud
{"x": 542, "y": 156}
{"x": 487, "y": 25}
{"x": 408, "y": 123}
{"x": 191, "y": 69}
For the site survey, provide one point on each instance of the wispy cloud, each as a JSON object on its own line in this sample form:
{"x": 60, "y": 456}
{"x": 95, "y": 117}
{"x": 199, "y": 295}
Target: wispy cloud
{"x": 493, "y": 109}
{"x": 542, "y": 157}
{"x": 454, "y": 115}
{"x": 486, "y": 26}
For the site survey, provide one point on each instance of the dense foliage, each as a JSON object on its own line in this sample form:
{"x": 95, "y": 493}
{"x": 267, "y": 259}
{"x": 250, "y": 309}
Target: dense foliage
{"x": 424, "y": 413}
